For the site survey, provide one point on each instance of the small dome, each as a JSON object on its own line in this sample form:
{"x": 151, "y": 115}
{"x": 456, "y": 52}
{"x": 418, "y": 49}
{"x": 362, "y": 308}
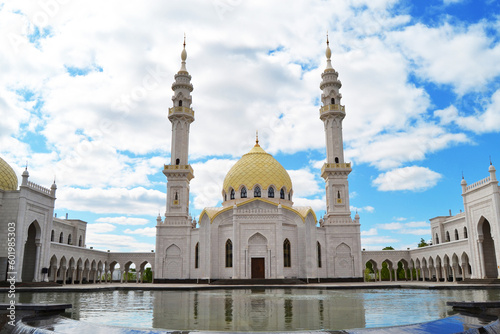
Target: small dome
{"x": 8, "y": 178}
{"x": 257, "y": 167}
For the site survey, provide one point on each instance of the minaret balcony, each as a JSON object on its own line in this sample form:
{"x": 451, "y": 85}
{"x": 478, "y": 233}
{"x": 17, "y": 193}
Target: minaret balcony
{"x": 178, "y": 171}
{"x": 181, "y": 110}
{"x": 331, "y": 107}
{"x": 336, "y": 168}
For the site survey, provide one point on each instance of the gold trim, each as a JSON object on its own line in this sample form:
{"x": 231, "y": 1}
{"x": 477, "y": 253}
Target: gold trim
{"x": 331, "y": 107}
{"x": 184, "y": 110}
{"x": 302, "y": 215}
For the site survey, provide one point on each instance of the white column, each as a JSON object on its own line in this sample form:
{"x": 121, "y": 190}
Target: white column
{"x": 37, "y": 261}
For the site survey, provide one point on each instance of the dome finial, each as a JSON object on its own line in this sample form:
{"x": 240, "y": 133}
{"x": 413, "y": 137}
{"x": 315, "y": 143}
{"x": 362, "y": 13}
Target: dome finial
{"x": 257, "y": 138}
{"x": 183, "y": 56}
{"x": 328, "y": 54}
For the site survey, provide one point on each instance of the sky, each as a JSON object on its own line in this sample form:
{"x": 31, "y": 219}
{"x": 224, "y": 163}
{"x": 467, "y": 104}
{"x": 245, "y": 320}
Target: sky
{"x": 85, "y": 89}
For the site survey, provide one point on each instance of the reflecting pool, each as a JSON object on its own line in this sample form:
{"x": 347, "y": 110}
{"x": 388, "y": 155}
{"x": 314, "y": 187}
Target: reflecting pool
{"x": 259, "y": 309}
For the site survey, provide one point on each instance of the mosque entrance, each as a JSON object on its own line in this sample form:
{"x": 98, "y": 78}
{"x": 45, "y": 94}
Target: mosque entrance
{"x": 258, "y": 267}
{"x": 490, "y": 261}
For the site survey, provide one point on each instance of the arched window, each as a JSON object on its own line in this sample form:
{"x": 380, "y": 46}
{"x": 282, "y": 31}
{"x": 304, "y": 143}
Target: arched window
{"x": 447, "y": 236}
{"x": 282, "y": 193}
{"x": 287, "y": 263}
{"x": 290, "y": 195}
{"x": 61, "y": 238}
{"x": 256, "y": 192}
{"x": 69, "y": 239}
{"x": 319, "y": 254}
{"x": 52, "y": 235}
{"x": 465, "y": 233}
{"x": 333, "y": 101}
{"x": 456, "y": 235}
{"x": 225, "y": 197}
{"x": 336, "y": 160}
{"x": 437, "y": 239}
{"x": 177, "y": 161}
{"x": 180, "y": 103}
{"x": 270, "y": 192}
{"x": 229, "y": 254}
{"x": 197, "y": 255}
{"x": 80, "y": 242}
{"x": 231, "y": 196}
{"x": 243, "y": 192}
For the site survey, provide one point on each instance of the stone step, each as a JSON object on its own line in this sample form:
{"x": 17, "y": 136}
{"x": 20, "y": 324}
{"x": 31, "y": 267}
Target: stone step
{"x": 257, "y": 281}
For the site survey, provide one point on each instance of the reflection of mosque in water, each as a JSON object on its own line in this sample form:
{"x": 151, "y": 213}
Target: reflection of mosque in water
{"x": 257, "y": 310}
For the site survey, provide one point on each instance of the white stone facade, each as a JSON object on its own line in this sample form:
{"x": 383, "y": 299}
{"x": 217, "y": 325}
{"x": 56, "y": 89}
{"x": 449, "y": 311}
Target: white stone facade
{"x": 257, "y": 232}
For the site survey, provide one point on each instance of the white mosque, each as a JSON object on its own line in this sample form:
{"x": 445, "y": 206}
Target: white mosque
{"x": 257, "y": 232}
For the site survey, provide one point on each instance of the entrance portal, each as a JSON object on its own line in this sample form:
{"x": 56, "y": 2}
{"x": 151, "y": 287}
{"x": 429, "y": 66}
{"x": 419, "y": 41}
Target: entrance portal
{"x": 490, "y": 260}
{"x": 258, "y": 267}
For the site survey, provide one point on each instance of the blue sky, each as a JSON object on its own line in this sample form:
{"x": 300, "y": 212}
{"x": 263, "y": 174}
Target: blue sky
{"x": 85, "y": 90}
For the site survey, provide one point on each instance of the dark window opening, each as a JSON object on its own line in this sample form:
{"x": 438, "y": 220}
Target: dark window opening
{"x": 52, "y": 236}
{"x": 197, "y": 255}
{"x": 229, "y": 254}
{"x": 256, "y": 192}
{"x": 243, "y": 192}
{"x": 69, "y": 239}
{"x": 270, "y": 192}
{"x": 231, "y": 196}
{"x": 456, "y": 234}
{"x": 336, "y": 160}
{"x": 287, "y": 263}
{"x": 61, "y": 238}
{"x": 333, "y": 101}
{"x": 319, "y": 254}
{"x": 282, "y": 193}
{"x": 80, "y": 242}
{"x": 465, "y": 232}
{"x": 180, "y": 103}
{"x": 177, "y": 161}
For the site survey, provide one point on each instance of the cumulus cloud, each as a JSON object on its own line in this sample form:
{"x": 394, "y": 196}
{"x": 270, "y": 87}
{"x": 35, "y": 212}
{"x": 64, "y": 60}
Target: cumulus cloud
{"x": 147, "y": 231}
{"x": 367, "y": 208}
{"x": 412, "y": 178}
{"x": 370, "y": 232}
{"x": 123, "y": 220}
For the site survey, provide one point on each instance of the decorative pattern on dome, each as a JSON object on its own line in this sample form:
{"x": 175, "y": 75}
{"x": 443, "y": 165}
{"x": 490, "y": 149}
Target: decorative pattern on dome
{"x": 257, "y": 167}
{"x": 8, "y": 178}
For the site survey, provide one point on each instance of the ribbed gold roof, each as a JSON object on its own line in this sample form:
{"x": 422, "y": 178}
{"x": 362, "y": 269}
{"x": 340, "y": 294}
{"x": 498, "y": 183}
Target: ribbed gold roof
{"x": 257, "y": 167}
{"x": 8, "y": 178}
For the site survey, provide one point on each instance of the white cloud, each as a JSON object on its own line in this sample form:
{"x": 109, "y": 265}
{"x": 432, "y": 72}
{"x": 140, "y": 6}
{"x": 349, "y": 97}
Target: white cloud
{"x": 114, "y": 200}
{"x": 123, "y": 220}
{"x": 412, "y": 178}
{"x": 147, "y": 231}
{"x": 370, "y": 232}
{"x": 418, "y": 224}
{"x": 316, "y": 204}
{"x": 390, "y": 226}
{"x": 420, "y": 232}
{"x": 380, "y": 240}
{"x": 305, "y": 183}
{"x": 479, "y": 122}
{"x": 367, "y": 208}
{"x": 99, "y": 228}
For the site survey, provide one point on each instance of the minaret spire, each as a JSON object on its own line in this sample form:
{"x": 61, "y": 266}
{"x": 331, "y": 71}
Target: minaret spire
{"x": 328, "y": 54}
{"x": 183, "y": 56}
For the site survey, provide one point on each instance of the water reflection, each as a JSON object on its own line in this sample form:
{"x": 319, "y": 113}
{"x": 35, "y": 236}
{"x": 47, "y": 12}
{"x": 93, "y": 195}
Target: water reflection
{"x": 259, "y": 309}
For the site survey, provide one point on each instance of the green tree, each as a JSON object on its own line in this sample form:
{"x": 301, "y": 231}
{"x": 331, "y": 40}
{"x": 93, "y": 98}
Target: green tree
{"x": 388, "y": 248}
{"x": 422, "y": 243}
{"x": 148, "y": 275}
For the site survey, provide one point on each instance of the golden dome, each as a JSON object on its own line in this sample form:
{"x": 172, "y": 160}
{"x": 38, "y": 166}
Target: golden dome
{"x": 8, "y": 178}
{"x": 257, "y": 167}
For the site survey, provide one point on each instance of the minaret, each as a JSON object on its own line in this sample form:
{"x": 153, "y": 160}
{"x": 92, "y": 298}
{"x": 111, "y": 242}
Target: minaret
{"x": 335, "y": 170}
{"x": 179, "y": 172}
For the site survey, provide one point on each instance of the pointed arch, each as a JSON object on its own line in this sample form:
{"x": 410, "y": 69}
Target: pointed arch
{"x": 287, "y": 254}
{"x": 257, "y": 239}
{"x": 243, "y": 192}
{"x": 229, "y": 253}
{"x": 197, "y": 255}
{"x": 30, "y": 253}
{"x": 257, "y": 192}
{"x": 232, "y": 195}
{"x": 489, "y": 261}
{"x": 465, "y": 232}
{"x": 456, "y": 235}
{"x": 282, "y": 193}
{"x": 270, "y": 192}
{"x": 61, "y": 238}
{"x": 52, "y": 235}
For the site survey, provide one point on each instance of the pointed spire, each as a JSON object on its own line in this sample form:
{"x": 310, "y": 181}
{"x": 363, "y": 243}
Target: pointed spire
{"x": 490, "y": 161}
{"x": 328, "y": 54}
{"x": 257, "y": 138}
{"x": 183, "y": 56}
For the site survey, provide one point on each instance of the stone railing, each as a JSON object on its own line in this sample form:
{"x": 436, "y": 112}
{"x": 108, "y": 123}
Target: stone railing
{"x": 331, "y": 107}
{"x": 178, "y": 167}
{"x": 479, "y": 183}
{"x": 183, "y": 110}
{"x": 39, "y": 188}
{"x": 334, "y": 165}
